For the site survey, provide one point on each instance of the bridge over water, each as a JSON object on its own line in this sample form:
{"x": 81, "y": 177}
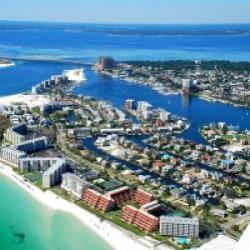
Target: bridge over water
{"x": 47, "y": 60}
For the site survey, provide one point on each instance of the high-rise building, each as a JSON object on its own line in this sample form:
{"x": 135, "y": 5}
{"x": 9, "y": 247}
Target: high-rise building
{"x": 16, "y": 134}
{"x": 129, "y": 104}
{"x": 74, "y": 184}
{"x": 164, "y": 115}
{"x": 11, "y": 155}
{"x": 53, "y": 175}
{"x": 13, "y": 137}
{"x": 179, "y": 226}
{"x": 143, "y": 106}
{"x": 106, "y": 62}
{"x": 185, "y": 86}
{"x": 31, "y": 146}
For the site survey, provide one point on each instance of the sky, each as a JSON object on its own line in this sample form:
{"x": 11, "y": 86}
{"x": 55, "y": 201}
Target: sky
{"x": 128, "y": 11}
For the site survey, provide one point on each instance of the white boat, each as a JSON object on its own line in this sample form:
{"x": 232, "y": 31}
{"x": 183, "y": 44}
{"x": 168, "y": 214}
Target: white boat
{"x": 76, "y": 75}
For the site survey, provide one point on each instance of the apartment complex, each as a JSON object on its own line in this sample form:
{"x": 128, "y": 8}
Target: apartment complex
{"x": 178, "y": 226}
{"x": 120, "y": 195}
{"x": 129, "y": 104}
{"x": 13, "y": 137}
{"x": 11, "y": 156}
{"x": 98, "y": 201}
{"x": 140, "y": 218}
{"x": 28, "y": 164}
{"x": 53, "y": 175}
{"x": 31, "y": 146}
{"x": 74, "y": 184}
{"x": 55, "y": 80}
{"x": 141, "y": 197}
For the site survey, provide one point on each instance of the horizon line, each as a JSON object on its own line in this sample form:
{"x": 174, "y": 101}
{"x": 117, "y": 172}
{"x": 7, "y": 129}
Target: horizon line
{"x": 120, "y": 23}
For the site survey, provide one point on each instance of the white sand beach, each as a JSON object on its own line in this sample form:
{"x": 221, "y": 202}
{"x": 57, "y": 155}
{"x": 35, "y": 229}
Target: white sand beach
{"x": 118, "y": 238}
{"x": 30, "y": 100}
{"x": 6, "y": 65}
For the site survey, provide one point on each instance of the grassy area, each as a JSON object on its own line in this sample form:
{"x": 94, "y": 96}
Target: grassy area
{"x": 229, "y": 138}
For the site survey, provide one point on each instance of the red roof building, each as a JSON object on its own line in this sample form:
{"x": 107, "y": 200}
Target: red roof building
{"x": 97, "y": 200}
{"x": 139, "y": 218}
{"x": 91, "y": 197}
{"x": 141, "y": 197}
{"x": 105, "y": 204}
{"x": 129, "y": 214}
{"x": 120, "y": 195}
{"x": 158, "y": 164}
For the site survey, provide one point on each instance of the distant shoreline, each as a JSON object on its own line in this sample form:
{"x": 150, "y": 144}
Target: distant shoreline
{"x": 6, "y": 63}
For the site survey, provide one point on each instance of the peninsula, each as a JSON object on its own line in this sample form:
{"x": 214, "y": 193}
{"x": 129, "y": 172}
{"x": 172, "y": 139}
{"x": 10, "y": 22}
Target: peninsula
{"x": 5, "y": 63}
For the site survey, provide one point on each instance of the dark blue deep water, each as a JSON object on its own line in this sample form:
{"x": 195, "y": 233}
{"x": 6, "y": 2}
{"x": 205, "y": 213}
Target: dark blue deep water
{"x": 163, "y": 42}
{"x": 154, "y": 42}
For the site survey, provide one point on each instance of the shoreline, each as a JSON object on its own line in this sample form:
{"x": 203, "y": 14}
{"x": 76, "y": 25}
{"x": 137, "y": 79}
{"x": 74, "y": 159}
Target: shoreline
{"x": 109, "y": 232}
{"x": 28, "y": 99}
{"x": 6, "y": 65}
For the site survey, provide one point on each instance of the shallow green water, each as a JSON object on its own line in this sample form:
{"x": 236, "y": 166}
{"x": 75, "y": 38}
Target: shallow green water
{"x": 25, "y": 224}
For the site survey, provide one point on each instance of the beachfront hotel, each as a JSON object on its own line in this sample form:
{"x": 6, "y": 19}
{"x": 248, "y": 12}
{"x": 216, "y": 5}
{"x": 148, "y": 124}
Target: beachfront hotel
{"x": 53, "y": 175}
{"x": 13, "y": 137}
{"x": 178, "y": 226}
{"x": 35, "y": 145}
{"x": 11, "y": 156}
{"x": 98, "y": 201}
{"x": 120, "y": 195}
{"x": 141, "y": 197}
{"x": 74, "y": 184}
{"x": 140, "y": 218}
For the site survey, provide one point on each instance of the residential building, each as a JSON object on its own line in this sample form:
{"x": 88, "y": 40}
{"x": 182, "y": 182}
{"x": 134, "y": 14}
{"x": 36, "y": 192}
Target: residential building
{"x": 120, "y": 195}
{"x": 31, "y": 146}
{"x": 139, "y": 218}
{"x": 74, "y": 184}
{"x": 35, "y": 164}
{"x": 11, "y": 156}
{"x": 98, "y": 201}
{"x": 143, "y": 106}
{"x": 141, "y": 197}
{"x": 179, "y": 226}
{"x": 53, "y": 175}
{"x": 14, "y": 137}
{"x": 129, "y": 104}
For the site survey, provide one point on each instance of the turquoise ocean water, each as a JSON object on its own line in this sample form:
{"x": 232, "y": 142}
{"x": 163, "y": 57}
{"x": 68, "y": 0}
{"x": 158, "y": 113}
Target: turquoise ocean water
{"x": 25, "y": 224}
